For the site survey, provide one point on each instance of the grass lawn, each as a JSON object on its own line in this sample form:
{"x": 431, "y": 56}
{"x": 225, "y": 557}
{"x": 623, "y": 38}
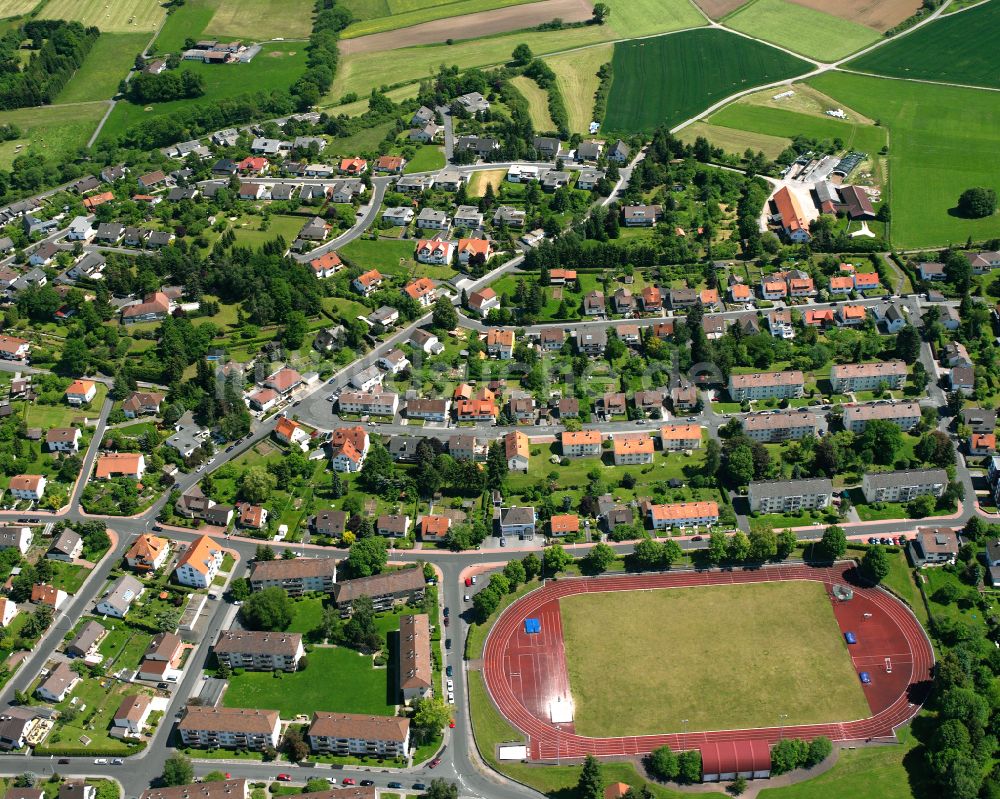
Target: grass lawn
{"x": 111, "y": 16}
{"x": 425, "y": 159}
{"x": 900, "y": 581}
{"x": 946, "y": 50}
{"x": 864, "y": 773}
{"x": 13, "y": 8}
{"x": 46, "y": 416}
{"x": 483, "y": 178}
{"x": 803, "y": 670}
{"x": 92, "y": 694}
{"x": 107, "y": 63}
{"x": 68, "y": 576}
{"x": 51, "y": 129}
{"x": 491, "y": 729}
{"x": 576, "y": 77}
{"x": 670, "y": 78}
{"x": 804, "y": 30}
{"x": 247, "y": 19}
{"x": 389, "y": 256}
{"x": 253, "y": 234}
{"x": 735, "y": 141}
{"x": 277, "y": 66}
{"x": 358, "y": 107}
{"x": 337, "y": 679}
{"x": 943, "y": 140}
{"x": 538, "y": 102}
{"x": 308, "y": 615}
{"x": 188, "y": 20}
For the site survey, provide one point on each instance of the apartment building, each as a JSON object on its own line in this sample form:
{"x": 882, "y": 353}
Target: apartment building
{"x": 200, "y": 563}
{"x": 223, "y": 789}
{"x": 356, "y": 734}
{"x": 790, "y": 496}
{"x": 382, "y": 403}
{"x": 680, "y": 436}
{"x": 630, "y": 450}
{"x": 904, "y": 414}
{"x": 296, "y": 576}
{"x": 782, "y": 425}
{"x": 845, "y": 377}
{"x": 904, "y": 485}
{"x": 581, "y": 444}
{"x": 229, "y": 727}
{"x": 416, "y": 676}
{"x": 388, "y": 589}
{"x": 680, "y": 514}
{"x": 259, "y": 650}
{"x": 765, "y": 385}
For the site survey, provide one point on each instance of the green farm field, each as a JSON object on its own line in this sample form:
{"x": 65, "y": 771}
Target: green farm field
{"x": 778, "y": 122}
{"x": 377, "y": 16}
{"x": 111, "y": 16}
{"x": 51, "y": 128}
{"x": 538, "y": 102}
{"x": 735, "y": 141}
{"x": 576, "y": 77}
{"x": 106, "y": 65}
{"x": 631, "y": 18}
{"x": 359, "y": 107}
{"x": 797, "y": 663}
{"x": 943, "y": 140}
{"x": 959, "y": 48}
{"x": 803, "y": 30}
{"x": 666, "y": 80}
{"x": 262, "y": 19}
{"x": 277, "y": 66}
{"x": 190, "y": 20}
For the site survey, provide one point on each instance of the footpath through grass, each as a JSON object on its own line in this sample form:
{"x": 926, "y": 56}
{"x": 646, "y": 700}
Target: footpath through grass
{"x": 687, "y": 653}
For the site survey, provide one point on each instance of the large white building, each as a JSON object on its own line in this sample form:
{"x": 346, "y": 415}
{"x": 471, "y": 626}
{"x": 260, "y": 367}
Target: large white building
{"x": 229, "y": 727}
{"x": 355, "y": 734}
{"x": 781, "y": 425}
{"x": 199, "y": 564}
{"x": 790, "y": 496}
{"x": 904, "y": 414}
{"x": 845, "y": 377}
{"x": 259, "y": 650}
{"x": 903, "y": 486}
{"x": 765, "y": 385}
{"x": 296, "y": 576}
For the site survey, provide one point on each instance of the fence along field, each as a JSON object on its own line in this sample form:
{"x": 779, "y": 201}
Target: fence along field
{"x": 959, "y": 48}
{"x": 112, "y": 16}
{"x": 666, "y": 80}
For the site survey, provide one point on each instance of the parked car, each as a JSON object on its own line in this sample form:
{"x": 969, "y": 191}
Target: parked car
{"x": 449, "y": 671}
{"x": 419, "y": 786}
{"x": 348, "y": 781}
{"x": 396, "y": 785}
{"x": 435, "y": 762}
{"x": 366, "y": 783}
{"x": 285, "y": 777}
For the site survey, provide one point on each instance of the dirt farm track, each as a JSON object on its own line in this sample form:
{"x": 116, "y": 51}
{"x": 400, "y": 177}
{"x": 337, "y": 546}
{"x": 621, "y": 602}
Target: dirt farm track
{"x": 471, "y": 26}
{"x": 525, "y": 673}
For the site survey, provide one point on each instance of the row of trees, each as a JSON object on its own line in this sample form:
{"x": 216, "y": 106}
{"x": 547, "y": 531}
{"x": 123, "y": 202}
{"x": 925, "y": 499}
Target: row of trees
{"x": 59, "y": 50}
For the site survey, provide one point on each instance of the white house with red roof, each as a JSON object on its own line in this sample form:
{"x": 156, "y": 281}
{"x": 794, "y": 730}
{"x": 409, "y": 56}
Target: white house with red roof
{"x": 326, "y": 265}
{"x": 263, "y": 399}
{"x": 284, "y": 381}
{"x": 483, "y": 301}
{"x": 367, "y": 282}
{"x": 27, "y": 486}
{"x": 353, "y": 166}
{"x": 349, "y": 447}
{"x": 474, "y": 248}
{"x": 290, "y": 432}
{"x": 13, "y": 349}
{"x": 80, "y": 392}
{"x": 434, "y": 251}
{"x": 422, "y": 290}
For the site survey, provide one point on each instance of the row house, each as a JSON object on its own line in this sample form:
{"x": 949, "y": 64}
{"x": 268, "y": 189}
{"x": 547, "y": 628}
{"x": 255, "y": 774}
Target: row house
{"x": 630, "y": 450}
{"x": 581, "y": 444}
{"x": 430, "y": 410}
{"x": 379, "y": 403}
{"x": 352, "y": 734}
{"x": 229, "y": 728}
{"x": 387, "y": 590}
{"x": 681, "y": 514}
{"x": 416, "y": 673}
{"x": 675, "y": 437}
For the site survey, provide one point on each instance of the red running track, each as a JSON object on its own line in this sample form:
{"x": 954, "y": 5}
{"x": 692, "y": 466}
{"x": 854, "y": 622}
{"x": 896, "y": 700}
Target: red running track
{"x": 525, "y": 674}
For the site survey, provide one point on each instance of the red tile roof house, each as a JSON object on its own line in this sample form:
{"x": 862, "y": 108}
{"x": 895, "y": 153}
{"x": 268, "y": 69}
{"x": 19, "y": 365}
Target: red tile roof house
{"x": 482, "y": 302}
{"x": 367, "y": 282}
{"x": 422, "y": 290}
{"x": 434, "y": 528}
{"x": 27, "y": 486}
{"x": 13, "y": 349}
{"x": 866, "y": 281}
{"x": 474, "y": 248}
{"x": 326, "y": 265}
{"x": 353, "y": 166}
{"x": 139, "y": 403}
{"x": 393, "y": 164}
{"x": 263, "y": 399}
{"x": 284, "y": 381}
{"x": 120, "y": 464}
{"x": 434, "y": 251}
{"x": 982, "y": 444}
{"x": 80, "y": 392}
{"x": 253, "y": 165}
{"x": 153, "y": 308}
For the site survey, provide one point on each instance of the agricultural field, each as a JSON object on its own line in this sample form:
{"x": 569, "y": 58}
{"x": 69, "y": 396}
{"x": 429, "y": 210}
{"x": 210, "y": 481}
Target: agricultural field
{"x": 666, "y": 80}
{"x": 108, "y": 62}
{"x": 378, "y": 16}
{"x": 576, "y": 77}
{"x": 14, "y": 8}
{"x": 735, "y": 141}
{"x": 813, "y": 33}
{"x": 359, "y": 107}
{"x": 805, "y": 671}
{"x": 277, "y": 66}
{"x": 190, "y": 20}
{"x": 631, "y": 18}
{"x": 879, "y": 16}
{"x": 951, "y": 49}
{"x": 261, "y": 20}
{"x": 50, "y": 129}
{"x": 538, "y": 102}
{"x": 111, "y": 16}
{"x": 943, "y": 140}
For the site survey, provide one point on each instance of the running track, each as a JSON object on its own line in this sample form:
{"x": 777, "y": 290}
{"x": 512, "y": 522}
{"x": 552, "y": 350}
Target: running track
{"x": 525, "y": 674}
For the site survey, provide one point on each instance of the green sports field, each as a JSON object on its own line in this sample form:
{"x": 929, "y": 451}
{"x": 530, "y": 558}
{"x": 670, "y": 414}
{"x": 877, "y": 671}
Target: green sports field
{"x": 107, "y": 63}
{"x": 111, "y": 16}
{"x": 722, "y": 657}
{"x": 959, "y": 48}
{"x": 804, "y": 30}
{"x": 942, "y": 140}
{"x": 665, "y": 80}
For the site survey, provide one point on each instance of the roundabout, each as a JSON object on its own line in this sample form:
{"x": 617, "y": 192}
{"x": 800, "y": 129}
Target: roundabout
{"x": 628, "y": 680}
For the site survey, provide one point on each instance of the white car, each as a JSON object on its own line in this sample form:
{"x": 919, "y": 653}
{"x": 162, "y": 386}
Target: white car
{"x": 451, "y": 697}
{"x": 101, "y": 761}
{"x": 466, "y": 597}
{"x": 332, "y": 780}
{"x": 451, "y": 685}
{"x": 473, "y": 579}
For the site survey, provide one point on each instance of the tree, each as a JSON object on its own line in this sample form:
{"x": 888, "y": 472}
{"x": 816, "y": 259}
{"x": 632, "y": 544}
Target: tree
{"x": 378, "y": 469}
{"x": 738, "y": 546}
{"x": 367, "y": 556}
{"x": 601, "y": 13}
{"x": 921, "y": 506}
{"x": 713, "y": 457}
{"x": 648, "y": 554}
{"x": 690, "y": 766}
{"x": 819, "y": 750}
{"x": 763, "y": 543}
{"x": 663, "y": 764}
{"x": 177, "y": 770}
{"x": 522, "y": 55}
{"x": 441, "y": 789}
{"x": 296, "y": 328}
{"x": 295, "y": 746}
{"x": 430, "y": 716}
{"x": 444, "y": 316}
{"x": 833, "y": 544}
{"x": 977, "y": 202}
{"x": 239, "y": 589}
{"x": 256, "y": 484}
{"x": 883, "y": 439}
{"x": 787, "y": 541}
{"x": 599, "y": 559}
{"x": 908, "y": 344}
{"x": 264, "y": 552}
{"x": 515, "y": 573}
{"x": 739, "y": 465}
{"x": 717, "y": 546}
{"x": 556, "y": 559}
{"x": 532, "y": 566}
{"x": 270, "y": 609}
{"x": 591, "y": 782}
{"x": 958, "y": 271}
{"x": 218, "y": 776}
{"x": 496, "y": 466}
{"x": 360, "y": 631}
{"x": 315, "y": 785}
{"x": 738, "y": 786}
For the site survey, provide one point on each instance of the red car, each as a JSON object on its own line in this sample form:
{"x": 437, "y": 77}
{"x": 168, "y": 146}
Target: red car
{"x": 347, "y": 781}
{"x": 435, "y": 762}
{"x": 285, "y": 777}
{"x": 468, "y": 582}
{"x": 452, "y": 723}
